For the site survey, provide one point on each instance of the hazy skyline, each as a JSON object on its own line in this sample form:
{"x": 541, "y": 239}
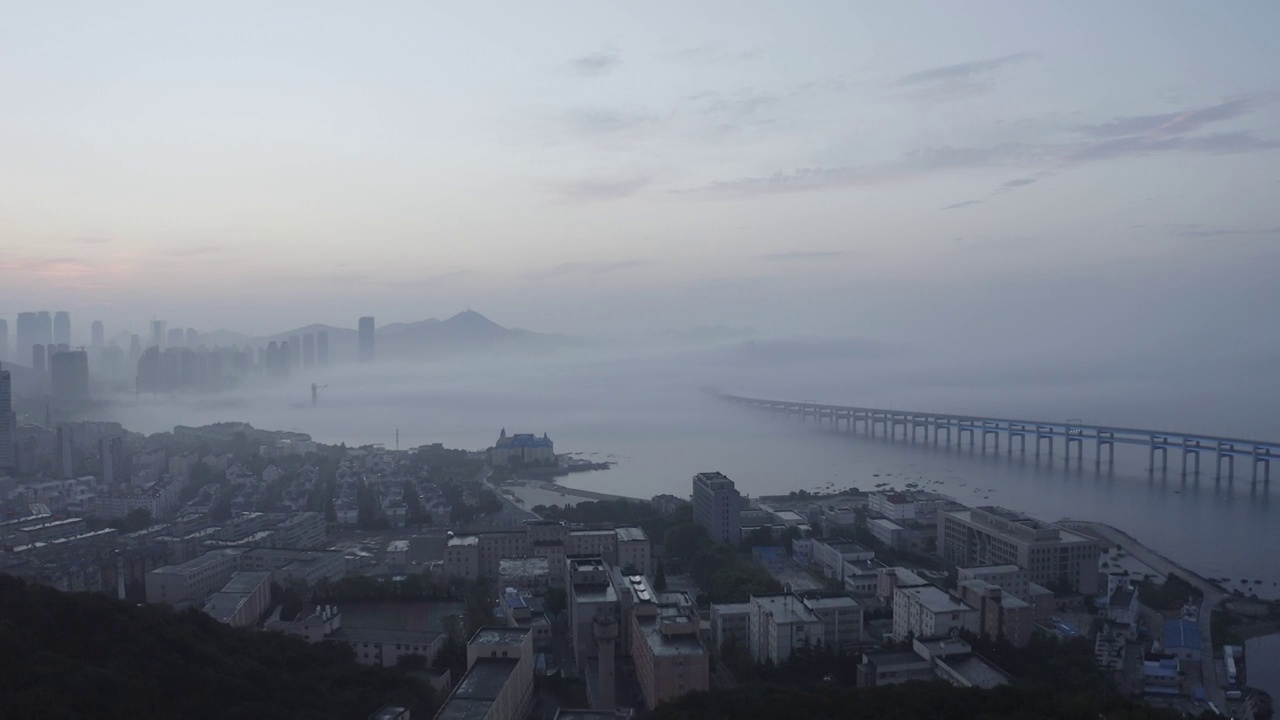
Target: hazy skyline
{"x": 915, "y": 169}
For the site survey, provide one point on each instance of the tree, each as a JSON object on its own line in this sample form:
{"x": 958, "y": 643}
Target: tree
{"x": 555, "y": 601}
{"x": 660, "y": 578}
{"x": 137, "y": 519}
{"x": 414, "y": 513}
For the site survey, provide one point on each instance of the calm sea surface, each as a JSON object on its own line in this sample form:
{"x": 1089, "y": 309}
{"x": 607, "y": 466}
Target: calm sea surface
{"x": 654, "y": 421}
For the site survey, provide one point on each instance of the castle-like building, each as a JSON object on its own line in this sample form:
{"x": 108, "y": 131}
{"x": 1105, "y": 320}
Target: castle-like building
{"x": 526, "y": 447}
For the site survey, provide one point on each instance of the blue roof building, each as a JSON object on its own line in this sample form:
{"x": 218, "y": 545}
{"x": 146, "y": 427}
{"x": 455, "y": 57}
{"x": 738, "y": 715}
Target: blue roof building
{"x": 1182, "y": 638}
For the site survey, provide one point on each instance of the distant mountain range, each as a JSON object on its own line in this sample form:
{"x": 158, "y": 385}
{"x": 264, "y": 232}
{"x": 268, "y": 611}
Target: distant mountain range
{"x": 464, "y": 333}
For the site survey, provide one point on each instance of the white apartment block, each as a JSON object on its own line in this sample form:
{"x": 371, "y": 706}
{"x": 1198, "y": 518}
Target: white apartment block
{"x": 927, "y": 611}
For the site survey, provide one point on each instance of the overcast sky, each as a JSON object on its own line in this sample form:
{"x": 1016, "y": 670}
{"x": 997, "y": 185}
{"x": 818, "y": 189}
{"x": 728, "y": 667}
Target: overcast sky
{"x": 875, "y": 169}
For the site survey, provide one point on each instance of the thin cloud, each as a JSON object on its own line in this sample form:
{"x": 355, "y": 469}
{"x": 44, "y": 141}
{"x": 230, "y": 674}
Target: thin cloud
{"x": 597, "y": 190}
{"x": 1019, "y": 182}
{"x": 601, "y": 62}
{"x": 587, "y": 268}
{"x": 606, "y": 121}
{"x": 962, "y": 204}
{"x": 1177, "y": 123}
{"x": 960, "y": 79}
{"x": 91, "y": 240}
{"x": 195, "y": 250}
{"x": 790, "y": 256}
{"x": 914, "y": 164}
{"x": 1198, "y": 231}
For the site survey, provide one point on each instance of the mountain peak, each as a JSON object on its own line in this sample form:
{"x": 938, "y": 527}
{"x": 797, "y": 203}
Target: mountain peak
{"x": 471, "y": 319}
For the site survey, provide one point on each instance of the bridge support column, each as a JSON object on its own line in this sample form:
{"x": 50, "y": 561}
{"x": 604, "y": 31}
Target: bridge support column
{"x": 1231, "y": 465}
{"x": 1263, "y": 459}
{"x": 938, "y": 426}
{"x": 1079, "y": 442}
{"x": 996, "y": 434}
{"x": 1194, "y": 452}
{"x": 1022, "y": 441}
{"x": 1041, "y": 434}
{"x": 1101, "y": 439}
{"x": 1164, "y": 457}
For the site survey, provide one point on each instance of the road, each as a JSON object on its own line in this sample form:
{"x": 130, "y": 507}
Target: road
{"x": 1212, "y": 596}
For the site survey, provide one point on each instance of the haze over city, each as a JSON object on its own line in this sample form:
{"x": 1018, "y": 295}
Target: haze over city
{"x": 877, "y": 342}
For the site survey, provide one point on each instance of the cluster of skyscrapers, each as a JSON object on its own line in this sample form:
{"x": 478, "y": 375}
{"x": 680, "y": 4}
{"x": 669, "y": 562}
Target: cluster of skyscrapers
{"x": 167, "y": 360}
{"x": 44, "y": 340}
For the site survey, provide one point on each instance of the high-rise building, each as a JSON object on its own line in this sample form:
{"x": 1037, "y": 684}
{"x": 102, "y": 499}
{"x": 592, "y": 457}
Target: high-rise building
{"x": 193, "y": 338}
{"x": 295, "y": 351}
{"x": 4, "y": 340}
{"x": 322, "y": 348}
{"x": 111, "y": 453}
{"x": 992, "y": 535}
{"x": 157, "y": 334}
{"x": 38, "y": 359}
{"x": 176, "y": 338}
{"x": 7, "y": 423}
{"x": 309, "y": 350}
{"x": 25, "y": 336}
{"x": 70, "y": 376}
{"x": 97, "y": 334}
{"x": 366, "y": 340}
{"x": 44, "y": 327}
{"x": 717, "y": 506}
{"x": 66, "y": 454}
{"x": 62, "y": 327}
{"x": 135, "y": 349}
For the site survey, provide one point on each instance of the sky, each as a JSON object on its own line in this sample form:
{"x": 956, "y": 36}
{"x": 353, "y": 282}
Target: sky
{"x": 978, "y": 171}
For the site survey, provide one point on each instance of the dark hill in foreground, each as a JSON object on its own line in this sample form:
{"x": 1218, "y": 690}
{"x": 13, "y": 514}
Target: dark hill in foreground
{"x": 66, "y": 655}
{"x": 910, "y": 701}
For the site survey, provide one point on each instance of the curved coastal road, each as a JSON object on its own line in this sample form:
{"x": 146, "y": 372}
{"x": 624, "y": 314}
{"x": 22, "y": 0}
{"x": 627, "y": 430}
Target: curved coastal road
{"x": 1213, "y": 691}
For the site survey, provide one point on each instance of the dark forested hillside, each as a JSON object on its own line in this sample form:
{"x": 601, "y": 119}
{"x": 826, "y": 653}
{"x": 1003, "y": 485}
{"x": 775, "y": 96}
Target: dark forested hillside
{"x": 87, "y": 656}
{"x": 911, "y": 701}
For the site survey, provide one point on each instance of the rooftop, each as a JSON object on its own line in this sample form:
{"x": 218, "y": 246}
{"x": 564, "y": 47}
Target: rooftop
{"x": 896, "y": 657}
{"x": 832, "y": 602}
{"x": 665, "y": 644}
{"x": 1181, "y": 634}
{"x": 398, "y": 546}
{"x": 196, "y": 563}
{"x": 978, "y": 672}
{"x": 885, "y": 523}
{"x": 935, "y": 599}
{"x": 981, "y": 570}
{"x": 463, "y": 540}
{"x": 384, "y": 636}
{"x": 245, "y": 582}
{"x": 786, "y": 608}
{"x": 631, "y": 534}
{"x": 476, "y": 692}
{"x": 498, "y": 636}
{"x": 524, "y": 567}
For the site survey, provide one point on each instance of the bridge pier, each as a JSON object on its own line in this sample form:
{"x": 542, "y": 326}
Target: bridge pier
{"x": 1077, "y": 438}
{"x": 938, "y": 425}
{"x": 1264, "y": 459}
{"x": 1044, "y": 433}
{"x": 1021, "y": 434}
{"x": 989, "y": 431}
{"x": 1107, "y": 439}
{"x": 916, "y": 425}
{"x": 1225, "y": 450}
{"x": 1194, "y": 452}
{"x": 1164, "y": 456}
{"x": 960, "y": 431}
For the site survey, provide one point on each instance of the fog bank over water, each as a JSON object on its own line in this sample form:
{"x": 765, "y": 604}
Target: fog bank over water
{"x": 623, "y": 391}
{"x": 652, "y": 414}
